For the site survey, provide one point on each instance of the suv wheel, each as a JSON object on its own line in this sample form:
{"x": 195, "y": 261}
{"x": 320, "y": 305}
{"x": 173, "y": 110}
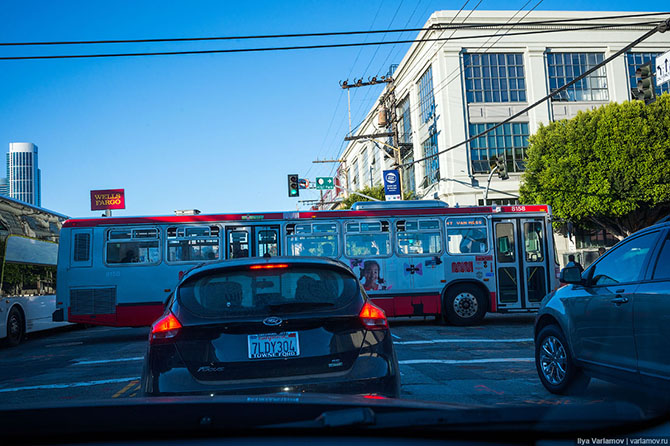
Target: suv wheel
{"x": 555, "y": 365}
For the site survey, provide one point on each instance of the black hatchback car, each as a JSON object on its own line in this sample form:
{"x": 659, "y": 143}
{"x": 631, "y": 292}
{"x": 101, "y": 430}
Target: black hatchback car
{"x": 257, "y": 326}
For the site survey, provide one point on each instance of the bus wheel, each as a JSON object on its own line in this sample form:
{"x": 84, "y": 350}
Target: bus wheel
{"x": 464, "y": 305}
{"x": 15, "y": 327}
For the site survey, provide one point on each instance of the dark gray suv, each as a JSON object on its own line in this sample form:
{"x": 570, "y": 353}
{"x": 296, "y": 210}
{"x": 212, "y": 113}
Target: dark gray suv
{"x": 612, "y": 321}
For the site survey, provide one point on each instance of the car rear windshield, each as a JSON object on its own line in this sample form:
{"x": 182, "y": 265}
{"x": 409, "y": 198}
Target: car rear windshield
{"x": 251, "y": 292}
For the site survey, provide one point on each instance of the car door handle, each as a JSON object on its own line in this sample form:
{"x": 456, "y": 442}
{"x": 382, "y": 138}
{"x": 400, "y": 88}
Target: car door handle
{"x": 619, "y": 300}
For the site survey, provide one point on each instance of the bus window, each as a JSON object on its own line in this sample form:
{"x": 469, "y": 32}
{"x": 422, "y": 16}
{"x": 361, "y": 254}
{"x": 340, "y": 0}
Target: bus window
{"x": 238, "y": 243}
{"x": 418, "y": 237}
{"x": 317, "y": 239}
{"x": 467, "y": 235}
{"x": 137, "y": 246}
{"x": 29, "y": 267}
{"x": 193, "y": 243}
{"x": 367, "y": 239}
{"x": 267, "y": 241}
{"x": 505, "y": 243}
{"x": 533, "y": 237}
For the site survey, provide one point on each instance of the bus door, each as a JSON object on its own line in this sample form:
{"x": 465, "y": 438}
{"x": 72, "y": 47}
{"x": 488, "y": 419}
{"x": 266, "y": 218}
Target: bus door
{"x": 251, "y": 241}
{"x": 509, "y": 287}
{"x": 266, "y": 240}
{"x": 420, "y": 247}
{"x": 521, "y": 253}
{"x": 238, "y": 242}
{"x": 534, "y": 260}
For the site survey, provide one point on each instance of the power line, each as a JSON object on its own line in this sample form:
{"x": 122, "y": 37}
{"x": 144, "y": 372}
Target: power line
{"x": 294, "y": 35}
{"x": 596, "y": 67}
{"x": 309, "y": 47}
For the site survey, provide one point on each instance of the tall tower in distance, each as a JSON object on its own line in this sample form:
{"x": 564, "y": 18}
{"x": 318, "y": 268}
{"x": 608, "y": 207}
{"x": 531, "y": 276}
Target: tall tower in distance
{"x": 24, "y": 175}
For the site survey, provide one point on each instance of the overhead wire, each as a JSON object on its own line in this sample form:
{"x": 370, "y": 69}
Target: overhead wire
{"x": 291, "y": 35}
{"x": 305, "y": 47}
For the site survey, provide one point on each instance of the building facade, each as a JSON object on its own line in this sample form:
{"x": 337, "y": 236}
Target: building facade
{"x": 446, "y": 92}
{"x": 24, "y": 176}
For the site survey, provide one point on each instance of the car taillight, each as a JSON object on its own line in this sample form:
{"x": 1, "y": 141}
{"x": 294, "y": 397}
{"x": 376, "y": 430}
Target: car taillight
{"x": 165, "y": 328}
{"x": 373, "y": 317}
{"x": 269, "y": 266}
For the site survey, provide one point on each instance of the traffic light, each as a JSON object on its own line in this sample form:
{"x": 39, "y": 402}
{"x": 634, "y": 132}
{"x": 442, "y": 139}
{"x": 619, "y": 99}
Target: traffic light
{"x": 502, "y": 168}
{"x": 645, "y": 84}
{"x": 293, "y": 186}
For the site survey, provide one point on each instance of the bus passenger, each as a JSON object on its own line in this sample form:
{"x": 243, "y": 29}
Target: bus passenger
{"x": 130, "y": 256}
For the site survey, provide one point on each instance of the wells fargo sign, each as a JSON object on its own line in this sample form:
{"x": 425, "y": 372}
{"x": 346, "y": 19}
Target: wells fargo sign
{"x": 107, "y": 199}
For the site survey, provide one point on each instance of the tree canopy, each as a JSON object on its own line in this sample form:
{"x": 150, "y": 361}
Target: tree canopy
{"x": 376, "y": 192}
{"x": 607, "y": 168}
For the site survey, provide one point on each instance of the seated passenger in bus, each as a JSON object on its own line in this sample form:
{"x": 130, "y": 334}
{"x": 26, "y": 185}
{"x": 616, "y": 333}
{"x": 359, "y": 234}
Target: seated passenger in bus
{"x": 130, "y": 256}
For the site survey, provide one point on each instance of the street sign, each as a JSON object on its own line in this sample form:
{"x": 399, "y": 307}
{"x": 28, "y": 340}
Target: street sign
{"x": 663, "y": 69}
{"x": 392, "y": 185}
{"x": 303, "y": 183}
{"x": 108, "y": 199}
{"x": 323, "y": 183}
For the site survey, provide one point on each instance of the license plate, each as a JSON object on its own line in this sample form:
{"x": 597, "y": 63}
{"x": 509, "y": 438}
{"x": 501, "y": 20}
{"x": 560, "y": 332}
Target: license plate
{"x": 274, "y": 345}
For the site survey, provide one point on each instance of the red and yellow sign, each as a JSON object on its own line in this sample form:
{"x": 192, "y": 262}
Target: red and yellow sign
{"x": 107, "y": 199}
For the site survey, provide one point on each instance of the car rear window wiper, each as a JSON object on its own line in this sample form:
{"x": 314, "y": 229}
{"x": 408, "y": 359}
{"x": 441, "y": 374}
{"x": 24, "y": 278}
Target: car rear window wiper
{"x": 288, "y": 306}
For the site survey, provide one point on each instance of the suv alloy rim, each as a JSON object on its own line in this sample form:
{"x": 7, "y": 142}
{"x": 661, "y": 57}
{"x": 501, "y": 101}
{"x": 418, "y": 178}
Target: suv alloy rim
{"x": 553, "y": 360}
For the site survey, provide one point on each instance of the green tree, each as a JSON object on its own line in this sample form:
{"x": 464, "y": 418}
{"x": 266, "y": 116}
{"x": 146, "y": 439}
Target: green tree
{"x": 375, "y": 191}
{"x": 605, "y": 168}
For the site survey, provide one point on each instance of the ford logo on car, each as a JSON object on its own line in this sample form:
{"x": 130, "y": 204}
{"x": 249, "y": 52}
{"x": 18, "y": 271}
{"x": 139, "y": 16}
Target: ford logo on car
{"x": 272, "y": 321}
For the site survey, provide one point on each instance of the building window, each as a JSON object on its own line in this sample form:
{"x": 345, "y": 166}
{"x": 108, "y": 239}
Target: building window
{"x": 594, "y": 239}
{"x": 494, "y": 77}
{"x": 499, "y": 201}
{"x": 635, "y": 60}
{"x": 426, "y": 98}
{"x": 355, "y": 182}
{"x": 431, "y": 166}
{"x": 404, "y": 122}
{"x": 509, "y": 140}
{"x": 408, "y": 179}
{"x": 365, "y": 169}
{"x": 565, "y": 67}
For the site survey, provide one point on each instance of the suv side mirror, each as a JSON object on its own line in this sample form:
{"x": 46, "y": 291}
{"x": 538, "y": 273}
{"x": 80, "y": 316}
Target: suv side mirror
{"x": 570, "y": 274}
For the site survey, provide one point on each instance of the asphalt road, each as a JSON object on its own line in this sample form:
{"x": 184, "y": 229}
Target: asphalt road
{"x": 490, "y": 364}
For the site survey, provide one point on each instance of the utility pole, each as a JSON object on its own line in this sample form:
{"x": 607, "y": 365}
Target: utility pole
{"x": 342, "y": 162}
{"x": 359, "y": 83}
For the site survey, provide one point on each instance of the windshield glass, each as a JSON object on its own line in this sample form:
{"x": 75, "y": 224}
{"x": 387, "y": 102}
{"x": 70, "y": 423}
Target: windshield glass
{"x": 246, "y": 292}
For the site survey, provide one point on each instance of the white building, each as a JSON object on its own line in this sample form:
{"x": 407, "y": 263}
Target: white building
{"x": 24, "y": 175}
{"x": 447, "y": 91}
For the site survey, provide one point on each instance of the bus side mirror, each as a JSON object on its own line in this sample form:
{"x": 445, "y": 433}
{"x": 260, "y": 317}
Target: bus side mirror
{"x": 570, "y": 274}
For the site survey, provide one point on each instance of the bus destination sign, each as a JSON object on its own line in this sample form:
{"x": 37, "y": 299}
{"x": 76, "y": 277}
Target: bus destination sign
{"x": 108, "y": 199}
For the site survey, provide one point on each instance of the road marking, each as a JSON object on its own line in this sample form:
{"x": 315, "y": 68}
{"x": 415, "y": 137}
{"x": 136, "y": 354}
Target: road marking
{"x": 68, "y": 385}
{"x": 463, "y": 361}
{"x": 396, "y": 336}
{"x": 65, "y": 344}
{"x": 128, "y": 386}
{"x": 456, "y": 341}
{"x": 103, "y": 361}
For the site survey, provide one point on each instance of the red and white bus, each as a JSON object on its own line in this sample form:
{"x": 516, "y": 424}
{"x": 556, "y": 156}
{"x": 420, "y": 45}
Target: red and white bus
{"x": 414, "y": 258}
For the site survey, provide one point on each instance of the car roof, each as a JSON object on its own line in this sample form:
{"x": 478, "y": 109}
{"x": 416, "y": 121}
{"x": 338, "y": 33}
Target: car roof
{"x": 249, "y": 261}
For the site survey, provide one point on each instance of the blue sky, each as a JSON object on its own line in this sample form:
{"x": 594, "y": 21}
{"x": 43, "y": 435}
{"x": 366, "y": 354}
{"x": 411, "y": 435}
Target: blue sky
{"x": 214, "y": 132}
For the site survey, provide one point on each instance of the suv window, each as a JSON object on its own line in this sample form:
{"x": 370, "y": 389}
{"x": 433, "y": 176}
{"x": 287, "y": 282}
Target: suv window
{"x": 662, "y": 270}
{"x": 625, "y": 262}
